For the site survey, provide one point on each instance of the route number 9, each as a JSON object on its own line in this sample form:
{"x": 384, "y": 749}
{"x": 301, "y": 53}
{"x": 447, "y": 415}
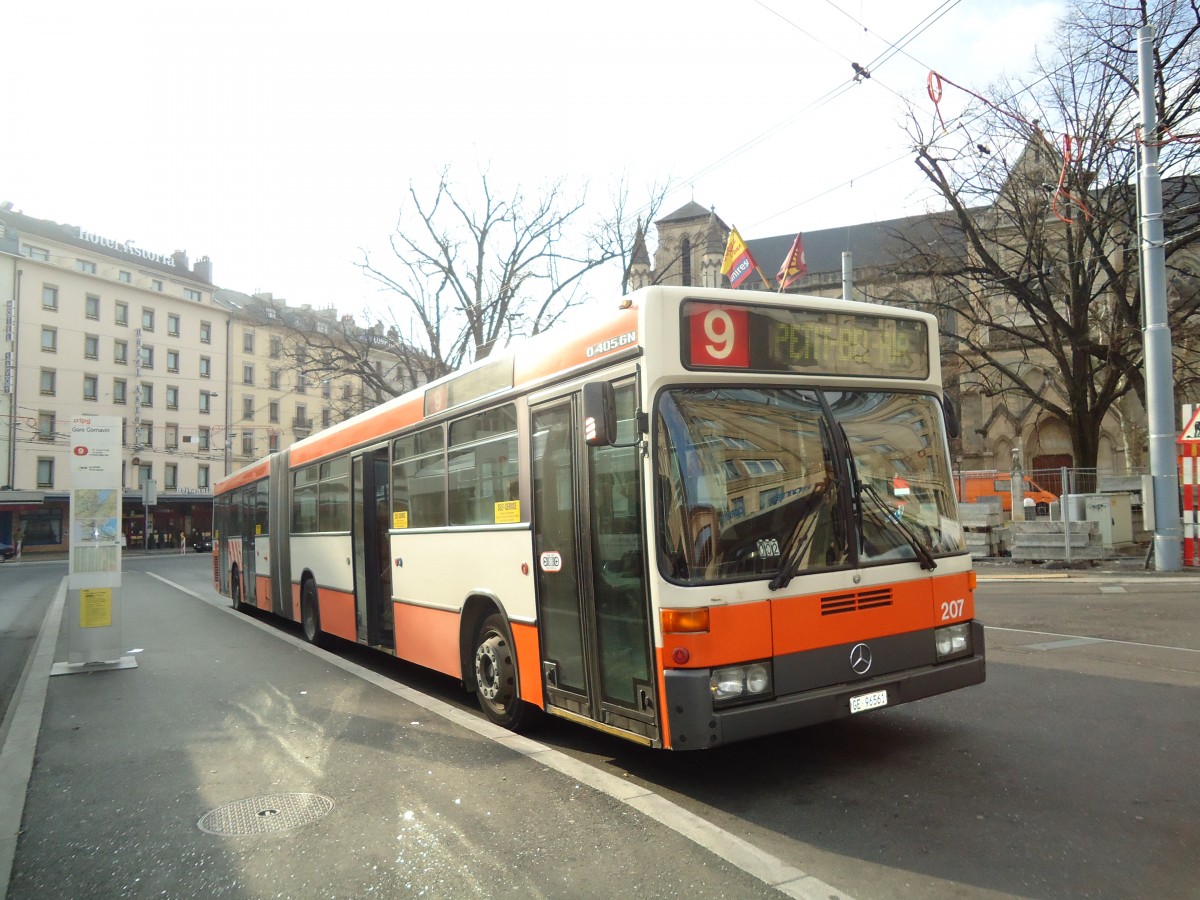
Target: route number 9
{"x": 719, "y": 337}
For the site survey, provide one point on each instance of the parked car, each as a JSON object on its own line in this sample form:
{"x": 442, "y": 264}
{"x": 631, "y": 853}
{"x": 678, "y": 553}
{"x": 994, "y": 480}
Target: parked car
{"x": 202, "y": 543}
{"x": 7, "y": 551}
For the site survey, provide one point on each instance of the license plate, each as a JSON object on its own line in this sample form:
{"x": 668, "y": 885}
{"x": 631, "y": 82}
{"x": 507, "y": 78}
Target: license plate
{"x": 863, "y": 702}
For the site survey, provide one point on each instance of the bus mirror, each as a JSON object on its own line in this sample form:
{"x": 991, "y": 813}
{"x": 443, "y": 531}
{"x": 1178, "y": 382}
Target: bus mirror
{"x": 599, "y": 414}
{"x": 953, "y": 428}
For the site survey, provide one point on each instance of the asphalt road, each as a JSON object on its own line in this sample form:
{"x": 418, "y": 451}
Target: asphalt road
{"x": 1070, "y": 773}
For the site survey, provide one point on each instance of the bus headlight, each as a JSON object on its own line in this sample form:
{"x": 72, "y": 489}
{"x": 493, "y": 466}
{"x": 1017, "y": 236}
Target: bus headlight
{"x": 953, "y": 640}
{"x": 739, "y": 684}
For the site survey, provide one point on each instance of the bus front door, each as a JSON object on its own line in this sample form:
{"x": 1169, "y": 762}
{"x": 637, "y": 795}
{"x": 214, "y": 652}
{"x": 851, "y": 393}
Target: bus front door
{"x": 372, "y": 551}
{"x": 593, "y": 609}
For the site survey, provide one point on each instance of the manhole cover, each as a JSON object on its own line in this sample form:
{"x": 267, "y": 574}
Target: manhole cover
{"x": 274, "y": 812}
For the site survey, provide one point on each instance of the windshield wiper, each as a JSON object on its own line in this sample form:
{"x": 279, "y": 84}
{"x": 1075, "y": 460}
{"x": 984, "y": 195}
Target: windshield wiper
{"x": 888, "y": 515}
{"x": 795, "y": 548}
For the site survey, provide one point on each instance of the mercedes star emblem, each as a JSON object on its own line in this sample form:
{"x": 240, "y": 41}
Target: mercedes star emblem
{"x": 860, "y": 659}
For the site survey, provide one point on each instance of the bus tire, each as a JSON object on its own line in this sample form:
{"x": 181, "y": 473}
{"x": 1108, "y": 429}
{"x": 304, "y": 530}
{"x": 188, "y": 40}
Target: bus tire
{"x": 310, "y": 613}
{"x": 495, "y": 668}
{"x": 235, "y": 588}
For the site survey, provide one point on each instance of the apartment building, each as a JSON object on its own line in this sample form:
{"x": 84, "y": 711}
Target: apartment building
{"x": 99, "y": 326}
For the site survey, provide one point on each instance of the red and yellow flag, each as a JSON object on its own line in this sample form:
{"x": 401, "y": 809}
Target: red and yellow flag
{"x": 794, "y": 267}
{"x": 738, "y": 263}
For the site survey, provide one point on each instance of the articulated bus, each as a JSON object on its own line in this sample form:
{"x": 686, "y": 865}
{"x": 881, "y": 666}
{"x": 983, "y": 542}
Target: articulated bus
{"x": 712, "y": 516}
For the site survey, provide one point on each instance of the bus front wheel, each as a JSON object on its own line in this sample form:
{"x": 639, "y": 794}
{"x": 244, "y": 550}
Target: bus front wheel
{"x": 496, "y": 675}
{"x": 310, "y": 615}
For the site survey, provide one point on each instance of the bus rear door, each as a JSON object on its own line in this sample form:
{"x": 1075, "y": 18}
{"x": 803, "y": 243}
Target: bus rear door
{"x": 593, "y": 610}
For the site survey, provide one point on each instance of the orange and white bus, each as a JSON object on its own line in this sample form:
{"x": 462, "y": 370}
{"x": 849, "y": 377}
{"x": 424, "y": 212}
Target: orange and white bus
{"x": 710, "y": 516}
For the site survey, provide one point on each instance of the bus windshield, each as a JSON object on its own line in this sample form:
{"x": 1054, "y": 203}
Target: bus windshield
{"x": 751, "y": 482}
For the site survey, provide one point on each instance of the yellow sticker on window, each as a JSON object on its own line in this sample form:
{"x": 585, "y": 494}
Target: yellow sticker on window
{"x": 400, "y": 519}
{"x": 508, "y": 511}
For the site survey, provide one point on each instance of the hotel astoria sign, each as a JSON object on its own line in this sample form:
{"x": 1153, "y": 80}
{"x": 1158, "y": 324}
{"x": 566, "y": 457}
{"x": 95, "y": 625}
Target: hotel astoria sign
{"x": 126, "y": 246}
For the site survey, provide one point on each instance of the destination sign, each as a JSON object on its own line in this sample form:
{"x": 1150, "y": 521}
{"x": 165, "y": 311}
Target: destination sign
{"x": 803, "y": 341}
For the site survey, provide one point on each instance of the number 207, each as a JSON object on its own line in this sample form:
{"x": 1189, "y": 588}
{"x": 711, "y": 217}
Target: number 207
{"x": 952, "y": 609}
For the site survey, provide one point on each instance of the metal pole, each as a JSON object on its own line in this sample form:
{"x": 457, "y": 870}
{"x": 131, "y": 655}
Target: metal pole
{"x": 1168, "y": 526}
{"x": 1066, "y": 513}
{"x": 847, "y": 275}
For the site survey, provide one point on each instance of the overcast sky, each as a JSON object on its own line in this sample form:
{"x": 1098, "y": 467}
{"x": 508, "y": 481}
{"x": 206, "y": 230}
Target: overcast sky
{"x": 279, "y": 138}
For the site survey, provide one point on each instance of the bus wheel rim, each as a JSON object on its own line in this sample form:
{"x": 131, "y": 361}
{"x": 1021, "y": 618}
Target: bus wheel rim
{"x": 492, "y": 671}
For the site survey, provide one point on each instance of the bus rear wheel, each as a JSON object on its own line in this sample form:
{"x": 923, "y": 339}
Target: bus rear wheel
{"x": 310, "y": 615}
{"x": 496, "y": 685}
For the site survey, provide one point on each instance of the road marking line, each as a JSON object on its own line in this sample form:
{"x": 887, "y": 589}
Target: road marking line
{"x": 1097, "y": 640}
{"x": 1058, "y": 645}
{"x": 736, "y": 851}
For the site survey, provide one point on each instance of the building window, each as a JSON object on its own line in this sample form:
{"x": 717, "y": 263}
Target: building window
{"x": 273, "y": 411}
{"x": 326, "y": 388}
{"x": 346, "y": 390}
{"x": 45, "y": 473}
{"x": 248, "y": 341}
{"x": 91, "y": 346}
{"x": 205, "y": 402}
{"x": 247, "y": 443}
{"x": 87, "y": 266}
{"x": 147, "y": 357}
{"x": 276, "y": 347}
{"x": 191, "y": 294}
{"x": 172, "y": 360}
{"x": 170, "y": 477}
{"x": 275, "y": 382}
{"x": 202, "y": 482}
{"x": 247, "y": 374}
{"x": 124, "y": 276}
{"x": 172, "y": 397}
{"x": 121, "y": 353}
{"x": 301, "y": 383}
{"x": 248, "y": 408}
{"x": 35, "y": 252}
{"x": 205, "y": 436}
{"x": 91, "y": 306}
{"x": 46, "y": 384}
{"x": 156, "y": 284}
{"x": 171, "y": 437}
{"x": 173, "y": 324}
{"x": 45, "y": 426}
{"x": 121, "y": 316}
{"x": 326, "y": 417}
{"x": 145, "y": 474}
{"x": 685, "y": 261}
{"x": 302, "y": 420}
{"x": 205, "y": 367}
{"x": 119, "y": 389}
{"x": 147, "y": 393}
{"x": 148, "y": 435}
{"x": 49, "y": 339}
{"x": 91, "y": 387}
{"x": 273, "y": 441}
{"x": 147, "y": 319}
{"x": 206, "y": 332}
{"x": 49, "y": 297}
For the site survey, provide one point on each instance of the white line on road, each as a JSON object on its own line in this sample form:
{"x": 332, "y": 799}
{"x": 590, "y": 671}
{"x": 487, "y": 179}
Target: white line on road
{"x": 734, "y": 850}
{"x": 1085, "y": 639}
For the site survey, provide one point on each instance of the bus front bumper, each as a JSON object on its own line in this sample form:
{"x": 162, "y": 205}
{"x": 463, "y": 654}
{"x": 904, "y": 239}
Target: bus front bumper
{"x": 695, "y": 725}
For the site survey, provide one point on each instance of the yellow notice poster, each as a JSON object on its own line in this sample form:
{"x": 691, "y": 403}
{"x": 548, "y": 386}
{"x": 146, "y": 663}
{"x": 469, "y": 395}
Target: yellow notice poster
{"x": 508, "y": 511}
{"x": 400, "y": 519}
{"x": 95, "y": 607}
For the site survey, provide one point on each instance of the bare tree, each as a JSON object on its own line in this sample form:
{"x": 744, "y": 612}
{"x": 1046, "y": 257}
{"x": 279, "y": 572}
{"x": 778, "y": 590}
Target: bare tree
{"x": 1035, "y": 265}
{"x": 472, "y": 273}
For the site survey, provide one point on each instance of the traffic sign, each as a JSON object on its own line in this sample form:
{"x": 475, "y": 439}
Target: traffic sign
{"x": 1191, "y": 431}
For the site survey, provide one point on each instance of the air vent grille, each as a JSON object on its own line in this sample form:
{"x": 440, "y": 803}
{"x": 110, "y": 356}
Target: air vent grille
{"x": 856, "y": 601}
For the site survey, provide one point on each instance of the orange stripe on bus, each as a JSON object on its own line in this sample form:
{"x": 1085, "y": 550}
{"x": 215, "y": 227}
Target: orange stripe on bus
{"x": 747, "y": 631}
{"x": 337, "y": 613}
{"x": 559, "y": 355}
{"x": 529, "y": 669}
{"x": 251, "y": 473}
{"x": 262, "y": 587}
{"x": 736, "y": 633}
{"x": 428, "y": 637}
{"x": 370, "y": 426}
